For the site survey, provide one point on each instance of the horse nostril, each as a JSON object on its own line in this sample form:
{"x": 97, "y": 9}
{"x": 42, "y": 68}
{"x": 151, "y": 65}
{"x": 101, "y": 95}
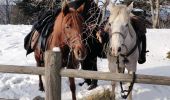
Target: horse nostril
{"x": 119, "y": 49}
{"x": 79, "y": 52}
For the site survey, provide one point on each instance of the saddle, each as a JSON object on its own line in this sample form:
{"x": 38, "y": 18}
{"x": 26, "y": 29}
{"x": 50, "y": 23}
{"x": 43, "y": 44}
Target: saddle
{"x": 139, "y": 26}
{"x": 40, "y": 31}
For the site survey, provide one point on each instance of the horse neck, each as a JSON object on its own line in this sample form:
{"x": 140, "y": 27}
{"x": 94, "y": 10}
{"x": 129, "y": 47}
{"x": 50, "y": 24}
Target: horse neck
{"x": 131, "y": 40}
{"x": 56, "y": 37}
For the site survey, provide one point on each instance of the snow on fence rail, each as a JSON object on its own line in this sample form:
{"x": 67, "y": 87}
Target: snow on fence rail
{"x": 53, "y": 75}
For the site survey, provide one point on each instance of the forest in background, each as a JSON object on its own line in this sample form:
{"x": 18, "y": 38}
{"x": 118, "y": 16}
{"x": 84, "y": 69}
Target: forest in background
{"x": 156, "y": 12}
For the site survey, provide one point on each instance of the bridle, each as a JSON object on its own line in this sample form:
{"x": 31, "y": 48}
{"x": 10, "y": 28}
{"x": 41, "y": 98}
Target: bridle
{"x": 121, "y": 34}
{"x": 71, "y": 40}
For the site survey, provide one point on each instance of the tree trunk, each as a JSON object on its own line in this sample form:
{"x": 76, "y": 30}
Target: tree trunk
{"x": 155, "y": 12}
{"x": 7, "y": 13}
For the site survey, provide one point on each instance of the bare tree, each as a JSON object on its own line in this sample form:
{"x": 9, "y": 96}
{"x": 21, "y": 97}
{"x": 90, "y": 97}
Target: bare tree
{"x": 8, "y": 11}
{"x": 2, "y": 15}
{"x": 5, "y": 12}
{"x": 155, "y": 9}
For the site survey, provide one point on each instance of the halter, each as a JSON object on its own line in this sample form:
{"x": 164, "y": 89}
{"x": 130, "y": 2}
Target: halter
{"x": 72, "y": 38}
{"x": 119, "y": 33}
{"x": 132, "y": 50}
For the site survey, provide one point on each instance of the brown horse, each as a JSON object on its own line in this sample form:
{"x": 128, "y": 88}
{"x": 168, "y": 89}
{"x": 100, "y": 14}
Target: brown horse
{"x": 67, "y": 35}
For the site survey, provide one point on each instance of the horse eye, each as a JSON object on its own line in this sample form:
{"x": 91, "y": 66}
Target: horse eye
{"x": 126, "y": 25}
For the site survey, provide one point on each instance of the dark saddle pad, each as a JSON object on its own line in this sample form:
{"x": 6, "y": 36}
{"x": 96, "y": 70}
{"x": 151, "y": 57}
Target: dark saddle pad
{"x": 44, "y": 26}
{"x": 138, "y": 24}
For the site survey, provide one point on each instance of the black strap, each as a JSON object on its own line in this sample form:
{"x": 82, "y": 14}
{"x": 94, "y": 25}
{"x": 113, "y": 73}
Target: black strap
{"x": 125, "y": 93}
{"x": 41, "y": 58}
{"x": 131, "y": 51}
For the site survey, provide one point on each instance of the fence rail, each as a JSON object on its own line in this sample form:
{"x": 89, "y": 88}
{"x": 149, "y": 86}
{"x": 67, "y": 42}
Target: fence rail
{"x": 145, "y": 79}
{"x": 53, "y": 75}
{"x": 22, "y": 69}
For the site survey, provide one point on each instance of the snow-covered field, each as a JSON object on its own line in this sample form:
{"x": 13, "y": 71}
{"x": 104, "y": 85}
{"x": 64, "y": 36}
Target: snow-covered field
{"x": 25, "y": 87}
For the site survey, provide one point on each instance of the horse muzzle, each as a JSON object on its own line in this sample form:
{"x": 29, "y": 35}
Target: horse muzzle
{"x": 115, "y": 52}
{"x": 80, "y": 52}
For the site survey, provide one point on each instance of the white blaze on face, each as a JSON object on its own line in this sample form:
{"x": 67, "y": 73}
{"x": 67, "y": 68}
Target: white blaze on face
{"x": 116, "y": 34}
{"x": 56, "y": 49}
{"x": 116, "y": 43}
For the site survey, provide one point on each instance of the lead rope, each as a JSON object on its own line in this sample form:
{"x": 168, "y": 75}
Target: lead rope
{"x": 125, "y": 93}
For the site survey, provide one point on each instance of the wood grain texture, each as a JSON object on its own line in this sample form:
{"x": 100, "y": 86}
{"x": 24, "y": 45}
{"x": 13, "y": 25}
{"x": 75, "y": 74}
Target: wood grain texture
{"x": 52, "y": 75}
{"x": 145, "y": 79}
{"x": 22, "y": 69}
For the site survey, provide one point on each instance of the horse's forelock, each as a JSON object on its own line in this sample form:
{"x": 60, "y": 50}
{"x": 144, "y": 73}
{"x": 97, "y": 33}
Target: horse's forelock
{"x": 119, "y": 11}
{"x": 74, "y": 18}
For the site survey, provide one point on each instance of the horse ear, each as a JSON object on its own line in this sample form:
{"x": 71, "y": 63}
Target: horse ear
{"x": 65, "y": 7}
{"x": 130, "y": 7}
{"x": 81, "y": 8}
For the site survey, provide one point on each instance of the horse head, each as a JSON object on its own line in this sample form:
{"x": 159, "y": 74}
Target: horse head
{"x": 119, "y": 21}
{"x": 68, "y": 28}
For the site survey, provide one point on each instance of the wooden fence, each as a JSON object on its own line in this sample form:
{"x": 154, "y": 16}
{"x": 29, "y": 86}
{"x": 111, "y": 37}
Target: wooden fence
{"x": 53, "y": 74}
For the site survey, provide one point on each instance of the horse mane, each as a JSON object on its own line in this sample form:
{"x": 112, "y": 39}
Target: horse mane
{"x": 117, "y": 10}
{"x": 131, "y": 28}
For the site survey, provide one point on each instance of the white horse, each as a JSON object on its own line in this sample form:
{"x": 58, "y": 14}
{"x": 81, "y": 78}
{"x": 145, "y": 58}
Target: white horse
{"x": 122, "y": 51}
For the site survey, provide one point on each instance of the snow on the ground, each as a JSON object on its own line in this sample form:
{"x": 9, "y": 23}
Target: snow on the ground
{"x": 25, "y": 87}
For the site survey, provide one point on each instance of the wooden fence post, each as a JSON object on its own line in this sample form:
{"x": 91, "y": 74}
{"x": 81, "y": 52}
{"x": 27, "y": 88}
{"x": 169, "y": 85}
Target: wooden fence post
{"x": 52, "y": 75}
